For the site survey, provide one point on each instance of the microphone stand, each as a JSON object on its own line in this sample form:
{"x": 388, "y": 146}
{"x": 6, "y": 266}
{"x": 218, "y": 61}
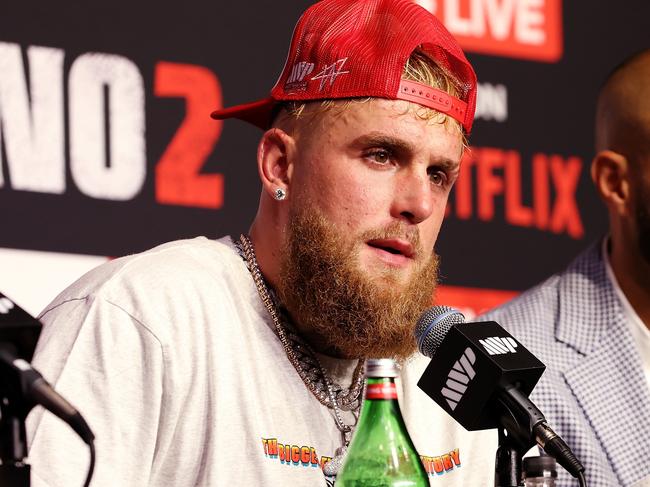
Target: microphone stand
{"x": 21, "y": 388}
{"x": 518, "y": 420}
{"x": 13, "y": 451}
{"x": 14, "y": 407}
{"x": 508, "y": 461}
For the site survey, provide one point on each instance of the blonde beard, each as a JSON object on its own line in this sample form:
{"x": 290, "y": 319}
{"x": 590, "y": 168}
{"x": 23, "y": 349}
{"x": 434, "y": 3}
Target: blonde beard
{"x": 336, "y": 306}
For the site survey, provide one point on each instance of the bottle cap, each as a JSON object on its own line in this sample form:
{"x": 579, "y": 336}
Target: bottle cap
{"x": 381, "y": 367}
{"x": 543, "y": 466}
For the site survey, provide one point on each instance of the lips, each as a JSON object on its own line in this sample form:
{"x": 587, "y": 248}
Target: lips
{"x": 394, "y": 246}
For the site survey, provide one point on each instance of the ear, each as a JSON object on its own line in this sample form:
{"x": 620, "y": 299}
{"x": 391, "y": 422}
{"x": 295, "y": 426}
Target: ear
{"x": 274, "y": 160}
{"x": 610, "y": 174}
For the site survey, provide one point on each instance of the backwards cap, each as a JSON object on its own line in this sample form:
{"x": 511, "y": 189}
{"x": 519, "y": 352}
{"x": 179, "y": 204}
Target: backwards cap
{"x": 358, "y": 48}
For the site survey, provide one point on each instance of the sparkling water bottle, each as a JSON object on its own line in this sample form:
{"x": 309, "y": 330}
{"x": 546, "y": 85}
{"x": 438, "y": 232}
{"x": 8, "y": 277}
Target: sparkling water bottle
{"x": 539, "y": 471}
{"x": 381, "y": 453}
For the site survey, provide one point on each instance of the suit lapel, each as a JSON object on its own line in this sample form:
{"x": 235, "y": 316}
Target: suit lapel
{"x": 609, "y": 386}
{"x": 607, "y": 378}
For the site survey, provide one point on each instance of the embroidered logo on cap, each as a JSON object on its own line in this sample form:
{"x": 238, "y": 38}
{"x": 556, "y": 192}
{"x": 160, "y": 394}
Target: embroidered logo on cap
{"x": 331, "y": 72}
{"x": 296, "y": 80}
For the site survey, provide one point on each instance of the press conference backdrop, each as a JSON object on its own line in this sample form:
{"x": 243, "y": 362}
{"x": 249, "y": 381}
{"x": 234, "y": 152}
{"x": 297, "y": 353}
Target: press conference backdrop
{"x": 106, "y": 147}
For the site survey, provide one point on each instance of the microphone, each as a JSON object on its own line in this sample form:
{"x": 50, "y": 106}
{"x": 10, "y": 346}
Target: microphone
{"x": 19, "y": 333}
{"x": 37, "y": 390}
{"x": 482, "y": 377}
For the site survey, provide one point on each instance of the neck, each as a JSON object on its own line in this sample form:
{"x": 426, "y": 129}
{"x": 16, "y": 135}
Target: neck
{"x": 267, "y": 244}
{"x": 320, "y": 345}
{"x": 632, "y": 272}
{"x": 267, "y": 241}
{"x": 268, "y": 260}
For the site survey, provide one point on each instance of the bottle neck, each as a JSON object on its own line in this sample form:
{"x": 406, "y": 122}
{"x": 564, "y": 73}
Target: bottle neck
{"x": 381, "y": 389}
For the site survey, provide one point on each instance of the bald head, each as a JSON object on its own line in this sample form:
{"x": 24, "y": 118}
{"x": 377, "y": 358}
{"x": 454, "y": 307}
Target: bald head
{"x": 623, "y": 110}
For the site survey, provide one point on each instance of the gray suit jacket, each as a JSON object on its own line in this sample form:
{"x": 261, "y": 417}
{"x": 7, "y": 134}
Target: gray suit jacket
{"x": 593, "y": 393}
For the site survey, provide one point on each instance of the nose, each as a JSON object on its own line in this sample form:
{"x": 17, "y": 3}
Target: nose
{"x": 413, "y": 198}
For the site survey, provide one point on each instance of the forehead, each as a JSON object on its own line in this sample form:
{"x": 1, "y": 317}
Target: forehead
{"x": 342, "y": 122}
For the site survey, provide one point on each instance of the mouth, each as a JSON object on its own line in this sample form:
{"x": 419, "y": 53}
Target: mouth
{"x": 393, "y": 250}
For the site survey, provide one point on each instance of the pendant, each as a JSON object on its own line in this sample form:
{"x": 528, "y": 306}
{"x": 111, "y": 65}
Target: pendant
{"x": 332, "y": 468}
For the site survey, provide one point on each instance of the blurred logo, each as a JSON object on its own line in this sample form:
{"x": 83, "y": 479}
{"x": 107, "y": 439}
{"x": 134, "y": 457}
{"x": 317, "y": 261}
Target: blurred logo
{"x": 5, "y": 305}
{"x": 526, "y": 29}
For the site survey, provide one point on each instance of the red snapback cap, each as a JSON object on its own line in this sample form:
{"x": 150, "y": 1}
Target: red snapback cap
{"x": 358, "y": 48}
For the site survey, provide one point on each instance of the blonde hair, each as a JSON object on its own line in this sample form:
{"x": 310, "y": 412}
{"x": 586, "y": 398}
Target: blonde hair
{"x": 419, "y": 67}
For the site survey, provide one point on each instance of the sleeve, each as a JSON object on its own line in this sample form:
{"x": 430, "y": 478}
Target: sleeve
{"x": 110, "y": 366}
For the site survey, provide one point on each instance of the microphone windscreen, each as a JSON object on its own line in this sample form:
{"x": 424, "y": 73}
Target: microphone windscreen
{"x": 433, "y": 326}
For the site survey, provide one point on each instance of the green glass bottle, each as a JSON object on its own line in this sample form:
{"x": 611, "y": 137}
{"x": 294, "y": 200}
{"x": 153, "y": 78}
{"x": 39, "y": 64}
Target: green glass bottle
{"x": 381, "y": 453}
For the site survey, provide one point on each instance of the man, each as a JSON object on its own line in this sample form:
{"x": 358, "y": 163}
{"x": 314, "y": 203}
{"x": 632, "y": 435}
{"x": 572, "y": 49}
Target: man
{"x": 589, "y": 324}
{"x": 240, "y": 361}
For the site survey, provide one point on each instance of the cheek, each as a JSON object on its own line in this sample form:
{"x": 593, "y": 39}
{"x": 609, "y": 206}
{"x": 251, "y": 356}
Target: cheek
{"x": 431, "y": 228}
{"x": 342, "y": 193}
{"x": 349, "y": 205}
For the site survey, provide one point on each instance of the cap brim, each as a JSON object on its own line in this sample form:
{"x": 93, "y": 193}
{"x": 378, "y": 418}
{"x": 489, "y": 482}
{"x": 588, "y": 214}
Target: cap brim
{"x": 257, "y": 113}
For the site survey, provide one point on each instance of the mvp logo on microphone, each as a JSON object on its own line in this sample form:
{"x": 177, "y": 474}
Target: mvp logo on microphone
{"x": 499, "y": 345}
{"x": 458, "y": 378}
{"x": 5, "y": 305}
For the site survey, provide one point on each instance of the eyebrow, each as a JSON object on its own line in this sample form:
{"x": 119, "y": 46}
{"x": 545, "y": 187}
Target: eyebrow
{"x": 400, "y": 146}
{"x": 383, "y": 140}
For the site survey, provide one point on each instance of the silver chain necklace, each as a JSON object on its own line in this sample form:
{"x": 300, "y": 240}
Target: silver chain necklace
{"x": 304, "y": 360}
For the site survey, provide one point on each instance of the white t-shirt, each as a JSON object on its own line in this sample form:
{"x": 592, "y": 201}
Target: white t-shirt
{"x": 172, "y": 358}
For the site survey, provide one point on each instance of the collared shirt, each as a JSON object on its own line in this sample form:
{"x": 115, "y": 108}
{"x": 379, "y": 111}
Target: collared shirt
{"x": 639, "y": 330}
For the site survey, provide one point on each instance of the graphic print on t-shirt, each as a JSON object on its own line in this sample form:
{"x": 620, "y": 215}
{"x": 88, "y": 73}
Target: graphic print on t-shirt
{"x": 307, "y": 456}
{"x": 441, "y": 464}
{"x": 295, "y": 455}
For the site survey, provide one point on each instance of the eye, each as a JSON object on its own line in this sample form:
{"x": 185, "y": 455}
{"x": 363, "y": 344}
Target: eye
{"x": 379, "y": 156}
{"x": 438, "y": 176}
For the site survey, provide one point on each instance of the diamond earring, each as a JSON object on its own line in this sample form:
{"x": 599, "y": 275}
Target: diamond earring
{"x": 280, "y": 194}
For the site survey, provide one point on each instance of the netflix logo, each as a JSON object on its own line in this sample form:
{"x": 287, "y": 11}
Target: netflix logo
{"x": 489, "y": 174}
{"x": 525, "y": 29}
